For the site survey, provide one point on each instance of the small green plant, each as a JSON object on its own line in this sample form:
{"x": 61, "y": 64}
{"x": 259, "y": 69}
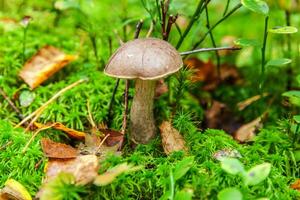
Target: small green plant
{"x": 253, "y": 176}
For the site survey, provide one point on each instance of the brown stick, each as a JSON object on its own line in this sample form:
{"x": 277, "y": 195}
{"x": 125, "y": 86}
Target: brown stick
{"x": 12, "y": 105}
{"x": 124, "y": 124}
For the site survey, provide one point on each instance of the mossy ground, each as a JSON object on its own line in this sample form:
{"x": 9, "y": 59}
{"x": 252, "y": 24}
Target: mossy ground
{"x": 205, "y": 178}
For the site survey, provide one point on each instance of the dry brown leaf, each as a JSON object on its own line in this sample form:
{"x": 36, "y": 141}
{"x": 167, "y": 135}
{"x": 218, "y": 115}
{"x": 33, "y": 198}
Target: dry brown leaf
{"x": 243, "y": 104}
{"x": 83, "y": 167}
{"x": 57, "y": 150}
{"x": 246, "y": 132}
{"x": 161, "y": 88}
{"x": 206, "y": 72}
{"x": 59, "y": 126}
{"x": 171, "y": 139}
{"x": 114, "y": 137}
{"x": 46, "y": 62}
{"x": 296, "y": 185}
{"x": 219, "y": 116}
{"x": 93, "y": 145}
{"x": 13, "y": 190}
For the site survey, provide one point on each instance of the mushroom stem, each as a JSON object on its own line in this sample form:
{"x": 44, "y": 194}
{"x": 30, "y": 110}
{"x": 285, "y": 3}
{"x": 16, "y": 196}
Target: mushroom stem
{"x": 141, "y": 114}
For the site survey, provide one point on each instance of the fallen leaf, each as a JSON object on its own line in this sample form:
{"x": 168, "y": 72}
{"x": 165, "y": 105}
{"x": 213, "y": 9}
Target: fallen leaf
{"x": 57, "y": 150}
{"x": 13, "y": 190}
{"x": 59, "y": 126}
{"x": 296, "y": 185}
{"x": 114, "y": 137}
{"x": 111, "y": 174}
{"x": 206, "y": 72}
{"x": 171, "y": 139}
{"x": 161, "y": 88}
{"x": 46, "y": 62}
{"x": 243, "y": 104}
{"x": 93, "y": 145}
{"x": 246, "y": 132}
{"x": 83, "y": 167}
{"x": 219, "y": 116}
{"x": 8, "y": 24}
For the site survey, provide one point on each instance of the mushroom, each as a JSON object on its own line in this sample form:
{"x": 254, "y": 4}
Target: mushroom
{"x": 144, "y": 60}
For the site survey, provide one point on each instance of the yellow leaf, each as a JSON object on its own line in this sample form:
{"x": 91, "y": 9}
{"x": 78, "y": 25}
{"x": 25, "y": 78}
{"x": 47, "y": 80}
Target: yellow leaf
{"x": 14, "y": 190}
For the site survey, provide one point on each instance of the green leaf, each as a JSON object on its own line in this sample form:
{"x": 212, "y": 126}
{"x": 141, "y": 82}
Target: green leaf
{"x": 257, "y": 6}
{"x": 183, "y": 167}
{"x": 232, "y": 166}
{"x": 279, "y": 62}
{"x": 284, "y": 30}
{"x": 297, "y": 118}
{"x": 185, "y": 194}
{"x": 292, "y": 94}
{"x": 246, "y": 42}
{"x": 230, "y": 194}
{"x": 257, "y": 174}
{"x": 297, "y": 155}
{"x": 26, "y": 98}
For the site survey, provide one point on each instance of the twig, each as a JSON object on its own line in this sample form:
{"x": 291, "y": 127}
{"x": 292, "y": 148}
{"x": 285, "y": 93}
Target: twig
{"x": 208, "y": 49}
{"x": 101, "y": 143}
{"x": 193, "y": 20}
{"x": 42, "y": 108}
{"x": 217, "y": 23}
{"x": 138, "y": 29}
{"x": 34, "y": 135}
{"x": 111, "y": 102}
{"x": 171, "y": 21}
{"x": 5, "y": 145}
{"x": 90, "y": 117}
{"x": 226, "y": 7}
{"x": 12, "y": 105}
{"x": 213, "y": 43}
{"x": 124, "y": 124}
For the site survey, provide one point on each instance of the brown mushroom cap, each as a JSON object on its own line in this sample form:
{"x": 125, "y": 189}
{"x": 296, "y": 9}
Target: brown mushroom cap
{"x": 146, "y": 59}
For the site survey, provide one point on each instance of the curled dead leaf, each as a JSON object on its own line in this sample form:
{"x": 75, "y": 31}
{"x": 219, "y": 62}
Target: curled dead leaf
{"x": 13, "y": 190}
{"x": 46, "y": 62}
{"x": 59, "y": 126}
{"x": 171, "y": 139}
{"x": 57, "y": 150}
{"x": 243, "y": 104}
{"x": 246, "y": 133}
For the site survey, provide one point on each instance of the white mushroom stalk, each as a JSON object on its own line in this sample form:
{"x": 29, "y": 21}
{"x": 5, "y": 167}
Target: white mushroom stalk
{"x": 145, "y": 61}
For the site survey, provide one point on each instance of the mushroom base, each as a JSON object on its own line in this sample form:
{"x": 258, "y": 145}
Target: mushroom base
{"x": 142, "y": 123}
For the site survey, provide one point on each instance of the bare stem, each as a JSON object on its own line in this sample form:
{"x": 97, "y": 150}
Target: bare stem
{"x": 209, "y": 49}
{"x": 213, "y": 43}
{"x": 216, "y": 24}
{"x": 190, "y": 25}
{"x": 12, "y": 105}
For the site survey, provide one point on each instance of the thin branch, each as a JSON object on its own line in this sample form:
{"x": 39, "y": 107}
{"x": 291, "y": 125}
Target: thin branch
{"x": 12, "y": 105}
{"x": 226, "y": 7}
{"x": 193, "y": 20}
{"x": 209, "y": 49}
{"x": 217, "y": 23}
{"x": 171, "y": 21}
{"x": 213, "y": 43}
{"x": 124, "y": 124}
{"x": 42, "y": 108}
